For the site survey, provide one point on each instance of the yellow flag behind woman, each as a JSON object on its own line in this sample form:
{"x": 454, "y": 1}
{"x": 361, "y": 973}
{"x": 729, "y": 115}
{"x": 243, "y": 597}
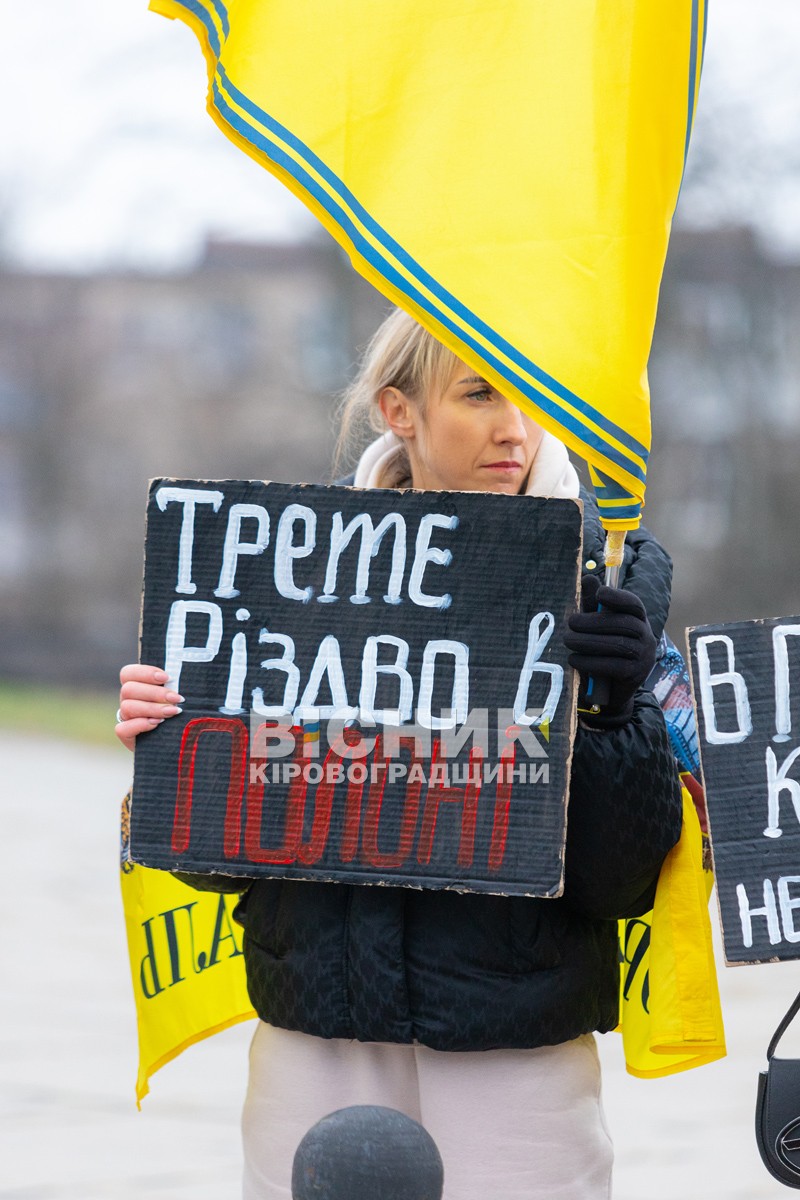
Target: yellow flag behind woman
{"x": 507, "y": 173}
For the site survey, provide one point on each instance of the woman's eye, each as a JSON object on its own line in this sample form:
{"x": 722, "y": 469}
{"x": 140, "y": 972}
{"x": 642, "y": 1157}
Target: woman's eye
{"x": 482, "y": 394}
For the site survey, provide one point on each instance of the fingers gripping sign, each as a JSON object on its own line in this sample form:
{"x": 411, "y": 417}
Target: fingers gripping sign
{"x": 145, "y": 700}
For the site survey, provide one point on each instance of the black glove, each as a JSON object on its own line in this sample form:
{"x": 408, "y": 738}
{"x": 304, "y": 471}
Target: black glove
{"x": 616, "y": 645}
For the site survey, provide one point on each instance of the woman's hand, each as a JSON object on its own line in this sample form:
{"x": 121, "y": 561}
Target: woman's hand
{"x": 144, "y": 701}
{"x": 610, "y": 639}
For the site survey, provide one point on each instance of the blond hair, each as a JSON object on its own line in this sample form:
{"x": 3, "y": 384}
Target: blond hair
{"x": 400, "y": 354}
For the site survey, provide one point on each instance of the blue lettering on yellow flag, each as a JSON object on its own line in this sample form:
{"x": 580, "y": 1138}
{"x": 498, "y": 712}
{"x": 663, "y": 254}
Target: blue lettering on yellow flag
{"x": 186, "y": 960}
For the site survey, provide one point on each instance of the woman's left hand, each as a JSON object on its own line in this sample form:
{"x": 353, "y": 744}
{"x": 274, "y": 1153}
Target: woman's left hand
{"x": 615, "y": 643}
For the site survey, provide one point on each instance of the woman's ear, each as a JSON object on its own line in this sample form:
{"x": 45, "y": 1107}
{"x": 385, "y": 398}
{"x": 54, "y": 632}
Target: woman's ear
{"x": 399, "y": 412}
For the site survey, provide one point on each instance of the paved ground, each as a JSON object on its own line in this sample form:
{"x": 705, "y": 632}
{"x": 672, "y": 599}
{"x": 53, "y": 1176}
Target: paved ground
{"x": 70, "y": 1129}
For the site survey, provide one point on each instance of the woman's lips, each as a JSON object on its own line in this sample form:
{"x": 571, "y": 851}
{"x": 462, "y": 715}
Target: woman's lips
{"x": 506, "y": 466}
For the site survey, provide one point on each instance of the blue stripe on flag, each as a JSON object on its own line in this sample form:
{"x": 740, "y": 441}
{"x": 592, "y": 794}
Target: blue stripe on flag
{"x": 607, "y": 487}
{"x": 222, "y": 13}
{"x": 613, "y": 499}
{"x": 422, "y": 276}
{"x": 367, "y": 251}
{"x": 427, "y": 280}
{"x": 199, "y": 10}
{"x": 619, "y": 512}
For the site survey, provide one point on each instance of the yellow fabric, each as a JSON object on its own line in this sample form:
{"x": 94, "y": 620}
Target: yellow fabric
{"x": 189, "y": 980}
{"x": 187, "y": 966}
{"x": 505, "y": 172}
{"x": 670, "y": 1014}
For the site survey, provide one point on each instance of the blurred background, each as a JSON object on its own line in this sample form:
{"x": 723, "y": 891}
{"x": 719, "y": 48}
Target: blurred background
{"x": 167, "y": 308}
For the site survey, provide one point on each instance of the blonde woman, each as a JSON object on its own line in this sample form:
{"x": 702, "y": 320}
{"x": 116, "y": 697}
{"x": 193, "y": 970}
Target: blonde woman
{"x": 473, "y": 1014}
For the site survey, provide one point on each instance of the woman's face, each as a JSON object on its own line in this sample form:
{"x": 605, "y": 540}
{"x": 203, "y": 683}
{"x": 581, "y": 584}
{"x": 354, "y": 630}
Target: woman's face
{"x": 469, "y": 438}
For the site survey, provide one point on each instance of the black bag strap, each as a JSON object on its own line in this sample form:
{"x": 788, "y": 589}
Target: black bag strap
{"x": 794, "y": 1008}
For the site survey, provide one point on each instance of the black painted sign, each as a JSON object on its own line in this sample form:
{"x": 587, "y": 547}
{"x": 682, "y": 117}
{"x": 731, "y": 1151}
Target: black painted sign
{"x": 376, "y": 684}
{"x": 746, "y": 683}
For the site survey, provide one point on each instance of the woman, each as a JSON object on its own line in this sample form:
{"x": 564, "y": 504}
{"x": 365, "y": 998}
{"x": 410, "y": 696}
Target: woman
{"x": 474, "y": 1014}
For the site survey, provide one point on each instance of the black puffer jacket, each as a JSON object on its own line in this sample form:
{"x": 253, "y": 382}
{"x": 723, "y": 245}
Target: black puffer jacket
{"x": 475, "y": 972}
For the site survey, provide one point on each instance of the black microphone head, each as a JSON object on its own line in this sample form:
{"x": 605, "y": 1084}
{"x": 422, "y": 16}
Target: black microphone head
{"x": 367, "y": 1152}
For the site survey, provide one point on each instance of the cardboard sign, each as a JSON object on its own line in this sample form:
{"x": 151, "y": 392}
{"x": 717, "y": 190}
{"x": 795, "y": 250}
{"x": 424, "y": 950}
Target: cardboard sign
{"x": 746, "y": 683}
{"x": 376, "y": 685}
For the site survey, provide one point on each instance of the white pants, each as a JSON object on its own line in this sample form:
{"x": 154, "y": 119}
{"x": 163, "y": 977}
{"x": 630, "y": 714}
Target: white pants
{"x": 509, "y": 1124}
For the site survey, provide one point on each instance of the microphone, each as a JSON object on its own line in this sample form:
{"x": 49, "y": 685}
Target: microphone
{"x": 367, "y": 1152}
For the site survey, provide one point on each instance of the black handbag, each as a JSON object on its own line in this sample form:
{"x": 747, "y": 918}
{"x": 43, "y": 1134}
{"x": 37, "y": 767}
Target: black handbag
{"x": 778, "y": 1110}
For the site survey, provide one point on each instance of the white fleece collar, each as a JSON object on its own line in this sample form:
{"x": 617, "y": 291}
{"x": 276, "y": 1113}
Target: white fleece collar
{"x": 552, "y": 474}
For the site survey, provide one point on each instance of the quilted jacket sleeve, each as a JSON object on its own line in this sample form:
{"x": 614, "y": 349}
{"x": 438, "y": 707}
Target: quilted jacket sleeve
{"x": 624, "y": 814}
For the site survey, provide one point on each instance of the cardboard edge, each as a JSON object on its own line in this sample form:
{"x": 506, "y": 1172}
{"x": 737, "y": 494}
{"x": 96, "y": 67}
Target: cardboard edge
{"x": 573, "y": 697}
{"x": 696, "y": 709}
{"x": 296, "y": 874}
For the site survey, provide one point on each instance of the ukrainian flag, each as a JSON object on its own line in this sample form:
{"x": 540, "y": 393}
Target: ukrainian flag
{"x": 506, "y": 172}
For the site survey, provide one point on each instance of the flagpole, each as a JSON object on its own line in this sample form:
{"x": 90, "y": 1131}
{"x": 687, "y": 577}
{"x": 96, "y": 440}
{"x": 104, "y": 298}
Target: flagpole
{"x": 597, "y": 692}
{"x": 615, "y": 547}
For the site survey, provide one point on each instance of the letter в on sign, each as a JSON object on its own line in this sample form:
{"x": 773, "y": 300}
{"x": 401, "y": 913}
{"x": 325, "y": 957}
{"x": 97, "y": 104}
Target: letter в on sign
{"x": 710, "y": 680}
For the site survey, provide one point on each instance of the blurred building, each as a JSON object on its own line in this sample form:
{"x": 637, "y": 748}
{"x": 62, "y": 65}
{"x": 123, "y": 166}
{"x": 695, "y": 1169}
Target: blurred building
{"x": 724, "y": 486}
{"x": 109, "y": 380}
{"x": 228, "y": 371}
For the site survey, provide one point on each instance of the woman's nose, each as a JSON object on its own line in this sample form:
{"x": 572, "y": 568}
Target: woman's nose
{"x": 510, "y": 425}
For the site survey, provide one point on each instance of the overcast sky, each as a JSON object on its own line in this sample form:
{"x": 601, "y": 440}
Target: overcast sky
{"x": 107, "y": 156}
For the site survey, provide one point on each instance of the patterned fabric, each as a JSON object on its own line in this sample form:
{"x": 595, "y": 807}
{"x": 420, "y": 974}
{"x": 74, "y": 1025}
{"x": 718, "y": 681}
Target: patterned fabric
{"x": 670, "y": 684}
